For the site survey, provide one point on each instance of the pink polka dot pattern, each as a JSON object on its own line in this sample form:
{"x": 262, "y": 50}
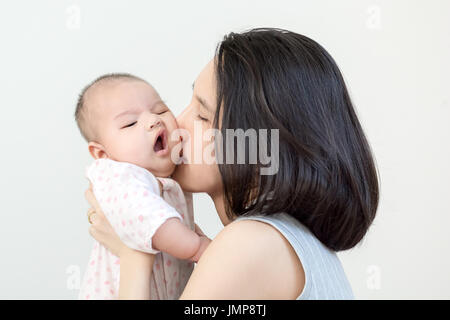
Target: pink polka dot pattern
{"x": 130, "y": 198}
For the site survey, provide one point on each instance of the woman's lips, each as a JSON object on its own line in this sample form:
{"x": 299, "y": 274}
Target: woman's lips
{"x": 160, "y": 146}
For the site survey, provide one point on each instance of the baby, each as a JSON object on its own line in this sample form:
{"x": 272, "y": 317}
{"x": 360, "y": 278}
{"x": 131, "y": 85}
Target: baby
{"x": 128, "y": 129}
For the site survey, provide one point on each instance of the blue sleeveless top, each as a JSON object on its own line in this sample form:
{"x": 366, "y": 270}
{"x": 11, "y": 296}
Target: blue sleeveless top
{"x": 324, "y": 276}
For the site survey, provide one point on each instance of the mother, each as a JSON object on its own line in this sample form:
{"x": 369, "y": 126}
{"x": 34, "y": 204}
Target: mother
{"x": 281, "y": 230}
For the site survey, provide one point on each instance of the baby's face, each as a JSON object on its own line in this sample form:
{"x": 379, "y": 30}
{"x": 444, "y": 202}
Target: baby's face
{"x": 133, "y": 125}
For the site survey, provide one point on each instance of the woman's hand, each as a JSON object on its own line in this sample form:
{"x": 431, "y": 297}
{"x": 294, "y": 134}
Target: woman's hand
{"x": 101, "y": 229}
{"x": 135, "y": 266}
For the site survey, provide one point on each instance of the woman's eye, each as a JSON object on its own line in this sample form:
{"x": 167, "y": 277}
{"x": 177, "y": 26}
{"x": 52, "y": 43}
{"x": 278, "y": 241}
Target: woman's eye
{"x": 130, "y": 125}
{"x": 201, "y": 118}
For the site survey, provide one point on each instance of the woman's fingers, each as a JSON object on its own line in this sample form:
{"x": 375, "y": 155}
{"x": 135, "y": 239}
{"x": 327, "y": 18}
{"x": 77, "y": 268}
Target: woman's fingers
{"x": 102, "y": 231}
{"x": 89, "y": 195}
{"x": 91, "y": 215}
{"x": 100, "y": 228}
{"x": 92, "y": 232}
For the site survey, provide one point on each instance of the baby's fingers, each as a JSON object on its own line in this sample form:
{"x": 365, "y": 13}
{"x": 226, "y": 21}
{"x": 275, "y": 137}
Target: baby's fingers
{"x": 199, "y": 231}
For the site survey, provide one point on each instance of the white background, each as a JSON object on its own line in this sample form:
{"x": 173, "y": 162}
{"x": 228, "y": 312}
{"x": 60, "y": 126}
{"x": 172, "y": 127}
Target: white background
{"x": 394, "y": 56}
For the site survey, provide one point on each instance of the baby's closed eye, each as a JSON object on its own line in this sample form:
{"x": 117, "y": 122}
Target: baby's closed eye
{"x": 129, "y": 125}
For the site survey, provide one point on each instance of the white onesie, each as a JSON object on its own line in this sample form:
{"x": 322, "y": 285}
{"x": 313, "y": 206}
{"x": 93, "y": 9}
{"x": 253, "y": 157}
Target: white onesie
{"x": 129, "y": 196}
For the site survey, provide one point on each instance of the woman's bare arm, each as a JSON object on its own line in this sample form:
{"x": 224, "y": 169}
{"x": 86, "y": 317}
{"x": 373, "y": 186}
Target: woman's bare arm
{"x": 135, "y": 273}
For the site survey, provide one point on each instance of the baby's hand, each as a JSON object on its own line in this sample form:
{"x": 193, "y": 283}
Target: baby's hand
{"x": 204, "y": 242}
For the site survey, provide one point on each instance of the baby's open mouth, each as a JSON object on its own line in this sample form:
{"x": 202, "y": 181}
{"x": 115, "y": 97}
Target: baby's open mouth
{"x": 160, "y": 145}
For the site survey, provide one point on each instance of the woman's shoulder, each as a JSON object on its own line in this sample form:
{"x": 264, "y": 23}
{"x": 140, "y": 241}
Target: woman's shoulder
{"x": 250, "y": 259}
{"x": 323, "y": 274}
{"x": 265, "y": 243}
{"x": 254, "y": 233}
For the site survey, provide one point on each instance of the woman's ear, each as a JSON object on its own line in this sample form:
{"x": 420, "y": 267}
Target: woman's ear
{"x": 97, "y": 151}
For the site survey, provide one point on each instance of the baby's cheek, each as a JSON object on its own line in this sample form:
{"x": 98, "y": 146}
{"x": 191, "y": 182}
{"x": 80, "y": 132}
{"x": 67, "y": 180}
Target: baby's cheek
{"x": 130, "y": 150}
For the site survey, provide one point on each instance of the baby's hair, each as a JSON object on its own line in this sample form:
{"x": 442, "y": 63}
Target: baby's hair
{"x": 81, "y": 113}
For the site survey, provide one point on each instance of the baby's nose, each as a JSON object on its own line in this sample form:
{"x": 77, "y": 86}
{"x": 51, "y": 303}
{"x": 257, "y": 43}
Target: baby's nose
{"x": 156, "y": 124}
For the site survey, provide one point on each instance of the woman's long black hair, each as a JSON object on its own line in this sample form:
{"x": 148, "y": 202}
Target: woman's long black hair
{"x": 327, "y": 180}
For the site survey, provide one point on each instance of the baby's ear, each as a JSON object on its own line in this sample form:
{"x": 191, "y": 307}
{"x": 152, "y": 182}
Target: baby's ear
{"x": 96, "y": 150}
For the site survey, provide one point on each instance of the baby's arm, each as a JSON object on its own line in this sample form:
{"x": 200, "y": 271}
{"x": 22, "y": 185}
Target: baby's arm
{"x": 176, "y": 239}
